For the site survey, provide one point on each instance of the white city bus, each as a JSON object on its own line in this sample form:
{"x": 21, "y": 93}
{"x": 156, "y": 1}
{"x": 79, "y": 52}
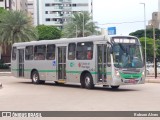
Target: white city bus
{"x": 95, "y": 60}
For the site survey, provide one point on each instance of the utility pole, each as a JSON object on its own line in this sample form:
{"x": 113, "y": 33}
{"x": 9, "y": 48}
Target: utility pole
{"x": 145, "y": 62}
{"x": 154, "y": 50}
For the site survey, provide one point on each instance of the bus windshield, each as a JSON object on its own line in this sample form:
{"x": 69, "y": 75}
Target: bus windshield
{"x": 127, "y": 54}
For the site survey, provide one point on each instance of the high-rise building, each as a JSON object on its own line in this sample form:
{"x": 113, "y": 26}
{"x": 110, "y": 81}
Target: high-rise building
{"x": 56, "y": 12}
{"x": 14, "y": 4}
{"x": 159, "y": 12}
{"x": 30, "y": 7}
{"x": 155, "y": 21}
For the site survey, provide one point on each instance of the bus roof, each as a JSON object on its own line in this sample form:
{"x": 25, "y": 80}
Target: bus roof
{"x": 69, "y": 40}
{"x": 62, "y": 40}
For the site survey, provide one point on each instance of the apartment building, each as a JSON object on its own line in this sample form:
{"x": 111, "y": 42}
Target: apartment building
{"x": 30, "y": 7}
{"x": 56, "y": 12}
{"x": 14, "y": 4}
{"x": 155, "y": 21}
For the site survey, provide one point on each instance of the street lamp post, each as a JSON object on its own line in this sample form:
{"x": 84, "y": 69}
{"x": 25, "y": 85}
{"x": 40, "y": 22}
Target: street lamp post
{"x": 145, "y": 34}
{"x": 76, "y": 30}
{"x": 83, "y": 24}
{"x": 155, "y": 63}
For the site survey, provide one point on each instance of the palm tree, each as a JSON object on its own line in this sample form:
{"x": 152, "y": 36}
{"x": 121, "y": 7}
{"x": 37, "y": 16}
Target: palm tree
{"x": 15, "y": 26}
{"x": 74, "y": 25}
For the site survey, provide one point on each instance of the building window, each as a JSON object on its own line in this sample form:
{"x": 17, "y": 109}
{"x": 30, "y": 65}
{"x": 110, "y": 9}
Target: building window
{"x": 74, "y": 5}
{"x": 71, "y": 51}
{"x": 46, "y": 12}
{"x": 84, "y": 51}
{"x": 50, "y": 52}
{"x": 39, "y": 52}
{"x": 47, "y": 4}
{"x": 29, "y": 53}
{"x": 48, "y": 19}
{"x": 14, "y": 51}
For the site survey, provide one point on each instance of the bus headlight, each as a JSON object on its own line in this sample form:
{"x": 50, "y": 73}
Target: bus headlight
{"x": 117, "y": 73}
{"x": 143, "y": 73}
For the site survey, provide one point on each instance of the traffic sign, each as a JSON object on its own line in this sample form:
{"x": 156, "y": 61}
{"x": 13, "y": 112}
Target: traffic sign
{"x": 112, "y": 31}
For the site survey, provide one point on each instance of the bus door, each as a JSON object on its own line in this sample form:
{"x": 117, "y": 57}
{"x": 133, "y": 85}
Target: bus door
{"x": 102, "y": 63}
{"x": 21, "y": 62}
{"x": 61, "y": 64}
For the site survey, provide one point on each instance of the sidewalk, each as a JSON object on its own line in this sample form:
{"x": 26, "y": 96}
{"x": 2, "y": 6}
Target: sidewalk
{"x": 152, "y": 79}
{"x": 5, "y": 73}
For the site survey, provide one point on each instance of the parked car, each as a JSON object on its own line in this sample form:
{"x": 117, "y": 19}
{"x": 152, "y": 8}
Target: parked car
{"x": 150, "y": 69}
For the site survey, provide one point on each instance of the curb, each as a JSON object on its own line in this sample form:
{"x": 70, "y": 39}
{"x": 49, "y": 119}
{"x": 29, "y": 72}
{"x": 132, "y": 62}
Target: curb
{"x": 5, "y": 73}
{"x": 152, "y": 81}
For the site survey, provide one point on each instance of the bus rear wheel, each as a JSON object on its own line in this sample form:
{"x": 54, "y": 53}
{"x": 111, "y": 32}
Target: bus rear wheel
{"x": 35, "y": 78}
{"x": 115, "y": 87}
{"x": 88, "y": 81}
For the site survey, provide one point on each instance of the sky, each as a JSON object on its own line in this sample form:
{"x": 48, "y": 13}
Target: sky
{"x": 111, "y": 12}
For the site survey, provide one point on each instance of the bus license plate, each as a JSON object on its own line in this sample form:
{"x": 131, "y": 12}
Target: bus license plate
{"x": 132, "y": 81}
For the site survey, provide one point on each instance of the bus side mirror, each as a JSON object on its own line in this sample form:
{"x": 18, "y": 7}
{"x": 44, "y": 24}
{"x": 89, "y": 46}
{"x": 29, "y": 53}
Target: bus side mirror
{"x": 111, "y": 50}
{"x": 111, "y": 47}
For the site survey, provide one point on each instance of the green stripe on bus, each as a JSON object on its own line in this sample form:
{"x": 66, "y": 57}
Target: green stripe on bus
{"x": 133, "y": 75}
{"x": 73, "y": 72}
{"x": 47, "y": 71}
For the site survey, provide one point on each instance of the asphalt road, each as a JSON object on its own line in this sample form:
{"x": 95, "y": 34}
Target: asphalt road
{"x": 21, "y": 95}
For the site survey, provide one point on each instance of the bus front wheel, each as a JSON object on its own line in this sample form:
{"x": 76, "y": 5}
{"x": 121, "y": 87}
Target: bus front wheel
{"x": 88, "y": 80}
{"x": 35, "y": 78}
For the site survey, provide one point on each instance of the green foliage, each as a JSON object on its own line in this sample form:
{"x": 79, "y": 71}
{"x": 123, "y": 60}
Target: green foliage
{"x": 75, "y": 24}
{"x": 150, "y": 48}
{"x": 48, "y": 32}
{"x": 15, "y": 26}
{"x": 149, "y": 42}
{"x": 149, "y": 33}
{"x": 2, "y": 12}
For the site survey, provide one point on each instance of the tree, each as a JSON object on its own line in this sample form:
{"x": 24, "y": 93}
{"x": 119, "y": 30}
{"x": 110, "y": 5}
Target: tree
{"x": 149, "y": 33}
{"x": 74, "y": 25}
{"x": 48, "y": 32}
{"x": 15, "y": 26}
{"x": 2, "y": 12}
{"x": 150, "y": 48}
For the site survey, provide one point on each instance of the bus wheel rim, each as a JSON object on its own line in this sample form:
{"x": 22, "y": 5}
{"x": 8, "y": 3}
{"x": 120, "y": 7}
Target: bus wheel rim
{"x": 87, "y": 81}
{"x": 35, "y": 77}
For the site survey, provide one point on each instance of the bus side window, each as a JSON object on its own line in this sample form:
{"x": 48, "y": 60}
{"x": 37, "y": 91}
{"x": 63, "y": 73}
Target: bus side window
{"x": 14, "y": 50}
{"x": 85, "y": 51}
{"x": 29, "y": 53}
{"x": 89, "y": 53}
{"x": 50, "y": 52}
{"x": 39, "y": 52}
{"x": 71, "y": 51}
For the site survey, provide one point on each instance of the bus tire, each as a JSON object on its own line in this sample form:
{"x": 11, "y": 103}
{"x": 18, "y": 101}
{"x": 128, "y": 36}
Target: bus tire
{"x": 35, "y": 78}
{"x": 115, "y": 87}
{"x": 88, "y": 81}
{"x": 82, "y": 83}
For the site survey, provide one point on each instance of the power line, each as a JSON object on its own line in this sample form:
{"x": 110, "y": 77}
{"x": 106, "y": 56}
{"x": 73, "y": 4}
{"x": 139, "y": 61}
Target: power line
{"x": 121, "y": 22}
